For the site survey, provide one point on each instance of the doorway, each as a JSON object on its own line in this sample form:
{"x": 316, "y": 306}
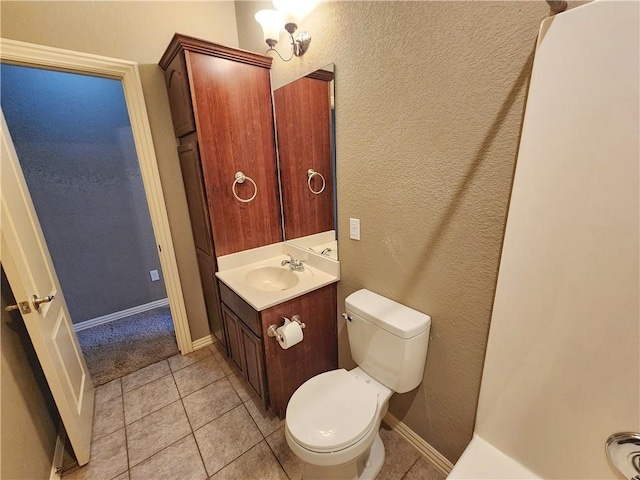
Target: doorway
{"x": 76, "y": 148}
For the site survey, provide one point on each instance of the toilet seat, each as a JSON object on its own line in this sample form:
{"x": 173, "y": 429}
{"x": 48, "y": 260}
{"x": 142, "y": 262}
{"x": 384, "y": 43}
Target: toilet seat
{"x": 331, "y": 411}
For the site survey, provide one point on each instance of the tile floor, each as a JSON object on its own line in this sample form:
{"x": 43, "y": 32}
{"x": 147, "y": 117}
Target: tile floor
{"x": 193, "y": 417}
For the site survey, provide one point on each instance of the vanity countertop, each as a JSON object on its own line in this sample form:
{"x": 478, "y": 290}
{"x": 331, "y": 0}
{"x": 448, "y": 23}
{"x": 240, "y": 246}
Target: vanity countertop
{"x": 259, "y": 278}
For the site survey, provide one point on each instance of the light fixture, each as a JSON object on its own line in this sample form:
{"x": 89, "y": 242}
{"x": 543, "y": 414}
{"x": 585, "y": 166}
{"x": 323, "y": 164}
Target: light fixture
{"x": 272, "y": 22}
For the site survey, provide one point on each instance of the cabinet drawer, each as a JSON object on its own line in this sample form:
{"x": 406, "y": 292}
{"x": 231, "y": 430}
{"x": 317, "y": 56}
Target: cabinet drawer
{"x": 246, "y": 313}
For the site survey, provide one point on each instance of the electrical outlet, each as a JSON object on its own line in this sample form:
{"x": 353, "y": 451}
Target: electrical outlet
{"x": 354, "y": 228}
{"x": 155, "y": 276}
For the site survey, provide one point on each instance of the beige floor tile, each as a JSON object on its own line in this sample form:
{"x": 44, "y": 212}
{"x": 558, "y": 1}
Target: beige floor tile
{"x": 210, "y": 402}
{"x": 180, "y": 361}
{"x": 108, "y": 391}
{"x": 149, "y": 398}
{"x": 108, "y": 459}
{"x": 124, "y": 476}
{"x": 400, "y": 455}
{"x": 198, "y": 375}
{"x": 145, "y": 375}
{"x": 108, "y": 416}
{"x": 226, "y": 438}
{"x": 156, "y": 431}
{"x": 290, "y": 462}
{"x": 423, "y": 469}
{"x": 226, "y": 365}
{"x": 242, "y": 388}
{"x": 218, "y": 349}
{"x": 178, "y": 461}
{"x": 257, "y": 463}
{"x": 266, "y": 422}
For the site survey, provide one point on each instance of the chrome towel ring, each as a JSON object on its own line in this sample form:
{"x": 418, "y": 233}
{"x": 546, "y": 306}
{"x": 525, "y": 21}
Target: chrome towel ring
{"x": 240, "y": 178}
{"x": 312, "y": 173}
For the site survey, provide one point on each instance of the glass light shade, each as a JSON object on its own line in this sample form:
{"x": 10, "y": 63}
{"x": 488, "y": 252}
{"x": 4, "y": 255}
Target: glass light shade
{"x": 271, "y": 23}
{"x": 295, "y": 10}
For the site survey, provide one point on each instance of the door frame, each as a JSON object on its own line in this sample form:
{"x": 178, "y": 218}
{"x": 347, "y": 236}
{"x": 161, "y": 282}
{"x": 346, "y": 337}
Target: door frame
{"x": 126, "y": 71}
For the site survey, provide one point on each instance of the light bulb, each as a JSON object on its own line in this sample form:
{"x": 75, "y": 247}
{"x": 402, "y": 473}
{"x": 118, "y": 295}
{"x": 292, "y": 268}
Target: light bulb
{"x": 295, "y": 10}
{"x": 271, "y": 23}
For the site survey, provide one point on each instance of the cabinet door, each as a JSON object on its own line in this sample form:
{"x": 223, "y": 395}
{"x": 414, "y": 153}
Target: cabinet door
{"x": 234, "y": 118}
{"x": 234, "y": 340}
{"x": 317, "y": 353}
{"x": 177, "y": 81}
{"x": 200, "y": 226}
{"x": 254, "y": 362}
{"x": 196, "y": 195}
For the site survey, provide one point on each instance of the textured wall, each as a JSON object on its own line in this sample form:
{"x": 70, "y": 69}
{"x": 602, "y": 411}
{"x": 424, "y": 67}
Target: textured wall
{"x": 429, "y": 100}
{"x": 27, "y": 429}
{"x": 81, "y": 167}
{"x": 138, "y": 31}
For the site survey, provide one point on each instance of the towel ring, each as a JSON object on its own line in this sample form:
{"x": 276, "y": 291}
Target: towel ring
{"x": 312, "y": 173}
{"x": 240, "y": 178}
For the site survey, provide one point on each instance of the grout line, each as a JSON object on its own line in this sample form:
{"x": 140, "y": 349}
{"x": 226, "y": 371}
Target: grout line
{"x": 152, "y": 411}
{"x": 275, "y": 454}
{"x": 197, "y": 361}
{"x": 404, "y": 475}
{"x": 204, "y": 465}
{"x": 147, "y": 383}
{"x": 159, "y": 451}
{"x": 143, "y": 460}
{"x": 180, "y": 398}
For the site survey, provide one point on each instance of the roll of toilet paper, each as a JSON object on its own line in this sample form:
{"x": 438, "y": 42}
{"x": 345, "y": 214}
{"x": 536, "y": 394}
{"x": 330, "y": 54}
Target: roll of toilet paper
{"x": 290, "y": 334}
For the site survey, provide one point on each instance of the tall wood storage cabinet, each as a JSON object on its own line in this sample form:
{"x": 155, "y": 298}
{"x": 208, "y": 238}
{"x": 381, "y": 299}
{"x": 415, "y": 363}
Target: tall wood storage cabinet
{"x": 222, "y": 114}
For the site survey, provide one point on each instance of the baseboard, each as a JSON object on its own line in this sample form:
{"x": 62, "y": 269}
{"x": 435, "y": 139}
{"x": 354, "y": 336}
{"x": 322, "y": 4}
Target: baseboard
{"x": 58, "y": 455}
{"x": 433, "y": 455}
{"x": 112, "y": 317}
{"x": 202, "y": 342}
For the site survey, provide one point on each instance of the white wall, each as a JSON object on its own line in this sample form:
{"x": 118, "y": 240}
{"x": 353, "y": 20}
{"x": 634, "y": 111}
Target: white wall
{"x": 562, "y": 367}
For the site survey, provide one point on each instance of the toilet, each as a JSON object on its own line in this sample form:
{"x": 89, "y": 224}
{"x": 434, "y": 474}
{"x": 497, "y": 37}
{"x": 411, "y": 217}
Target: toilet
{"x": 333, "y": 419}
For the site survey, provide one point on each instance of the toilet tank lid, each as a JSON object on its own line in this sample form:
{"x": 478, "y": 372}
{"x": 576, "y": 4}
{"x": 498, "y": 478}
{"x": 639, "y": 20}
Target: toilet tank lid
{"x": 391, "y": 316}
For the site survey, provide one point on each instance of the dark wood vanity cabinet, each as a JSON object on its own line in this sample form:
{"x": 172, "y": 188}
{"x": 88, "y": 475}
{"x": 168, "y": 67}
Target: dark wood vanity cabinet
{"x": 222, "y": 114}
{"x": 245, "y": 350}
{"x": 275, "y": 373}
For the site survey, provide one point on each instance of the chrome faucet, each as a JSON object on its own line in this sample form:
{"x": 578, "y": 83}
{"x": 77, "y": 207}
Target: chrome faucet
{"x": 295, "y": 265}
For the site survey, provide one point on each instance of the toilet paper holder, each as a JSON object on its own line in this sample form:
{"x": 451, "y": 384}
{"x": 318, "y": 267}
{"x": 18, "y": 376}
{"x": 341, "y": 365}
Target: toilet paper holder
{"x": 271, "y": 331}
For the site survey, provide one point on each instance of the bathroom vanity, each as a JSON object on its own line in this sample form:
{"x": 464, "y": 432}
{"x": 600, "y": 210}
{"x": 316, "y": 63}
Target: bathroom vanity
{"x": 258, "y": 292}
{"x": 223, "y": 118}
{"x": 275, "y": 373}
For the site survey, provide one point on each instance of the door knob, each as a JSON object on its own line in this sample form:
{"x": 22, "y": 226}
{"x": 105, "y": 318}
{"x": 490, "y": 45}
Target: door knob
{"x": 22, "y": 306}
{"x": 39, "y": 301}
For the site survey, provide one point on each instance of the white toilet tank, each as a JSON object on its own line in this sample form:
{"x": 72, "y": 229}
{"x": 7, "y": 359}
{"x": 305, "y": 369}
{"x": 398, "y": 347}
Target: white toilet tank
{"x": 388, "y": 340}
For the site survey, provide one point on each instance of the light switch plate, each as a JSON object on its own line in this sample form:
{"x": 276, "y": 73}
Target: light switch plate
{"x": 354, "y": 228}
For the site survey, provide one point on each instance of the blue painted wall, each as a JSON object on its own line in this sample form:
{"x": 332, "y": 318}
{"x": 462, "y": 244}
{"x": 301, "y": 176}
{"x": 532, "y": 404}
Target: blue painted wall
{"x": 74, "y": 142}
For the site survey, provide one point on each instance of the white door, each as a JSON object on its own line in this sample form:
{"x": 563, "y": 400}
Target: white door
{"x": 29, "y": 269}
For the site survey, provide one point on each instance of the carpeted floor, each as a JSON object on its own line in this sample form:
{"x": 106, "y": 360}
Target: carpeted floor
{"x": 124, "y": 346}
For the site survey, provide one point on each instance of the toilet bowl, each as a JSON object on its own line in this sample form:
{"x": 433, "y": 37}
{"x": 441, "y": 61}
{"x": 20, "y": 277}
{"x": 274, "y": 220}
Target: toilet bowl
{"x": 333, "y": 419}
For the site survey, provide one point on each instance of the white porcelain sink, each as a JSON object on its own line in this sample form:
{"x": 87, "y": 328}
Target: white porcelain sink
{"x": 259, "y": 277}
{"x": 271, "y": 279}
